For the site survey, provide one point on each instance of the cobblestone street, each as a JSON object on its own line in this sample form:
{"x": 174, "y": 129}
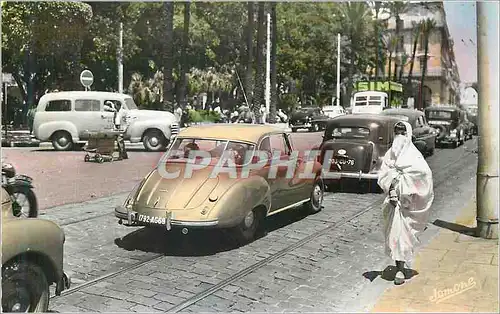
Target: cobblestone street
{"x": 304, "y": 263}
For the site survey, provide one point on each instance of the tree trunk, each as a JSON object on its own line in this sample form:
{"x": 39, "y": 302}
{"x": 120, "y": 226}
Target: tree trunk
{"x": 412, "y": 60}
{"x": 274, "y": 72}
{"x": 396, "y": 49}
{"x": 390, "y": 66}
{"x": 401, "y": 69}
{"x": 248, "y": 80}
{"x": 377, "y": 9}
{"x": 424, "y": 69}
{"x": 261, "y": 65}
{"x": 168, "y": 56}
{"x": 182, "y": 92}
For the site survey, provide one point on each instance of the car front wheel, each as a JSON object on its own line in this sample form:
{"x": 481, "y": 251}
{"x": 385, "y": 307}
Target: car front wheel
{"x": 154, "y": 141}
{"x": 62, "y": 140}
{"x": 24, "y": 288}
{"x": 247, "y": 230}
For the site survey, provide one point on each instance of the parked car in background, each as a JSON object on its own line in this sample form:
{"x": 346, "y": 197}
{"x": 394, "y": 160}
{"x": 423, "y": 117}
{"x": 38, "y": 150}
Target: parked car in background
{"x": 209, "y": 199}
{"x": 424, "y": 136}
{"x": 472, "y": 116}
{"x": 310, "y": 118}
{"x": 450, "y": 124}
{"x": 358, "y": 143}
{"x": 334, "y": 111}
{"x": 67, "y": 118}
{"x": 32, "y": 260}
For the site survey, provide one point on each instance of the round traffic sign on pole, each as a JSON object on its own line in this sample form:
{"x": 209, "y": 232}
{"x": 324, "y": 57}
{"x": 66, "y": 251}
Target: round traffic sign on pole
{"x": 86, "y": 78}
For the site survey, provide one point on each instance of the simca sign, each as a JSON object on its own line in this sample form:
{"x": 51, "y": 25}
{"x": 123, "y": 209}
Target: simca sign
{"x": 378, "y": 86}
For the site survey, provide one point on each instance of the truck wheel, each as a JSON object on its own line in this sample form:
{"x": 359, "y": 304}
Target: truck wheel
{"x": 24, "y": 288}
{"x": 154, "y": 141}
{"x": 61, "y": 140}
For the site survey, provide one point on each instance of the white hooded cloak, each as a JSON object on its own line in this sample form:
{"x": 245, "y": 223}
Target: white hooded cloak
{"x": 404, "y": 165}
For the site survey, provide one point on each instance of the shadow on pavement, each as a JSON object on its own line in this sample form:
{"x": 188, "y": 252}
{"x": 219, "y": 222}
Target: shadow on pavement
{"x": 455, "y": 227}
{"x": 197, "y": 242}
{"x": 355, "y": 186}
{"x": 389, "y": 273}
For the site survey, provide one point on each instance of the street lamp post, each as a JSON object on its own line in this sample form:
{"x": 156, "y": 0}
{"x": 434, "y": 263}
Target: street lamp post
{"x": 488, "y": 146}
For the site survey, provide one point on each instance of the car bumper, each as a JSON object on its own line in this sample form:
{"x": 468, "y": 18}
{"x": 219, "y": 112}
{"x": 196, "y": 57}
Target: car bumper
{"x": 129, "y": 218}
{"x": 356, "y": 175}
{"x": 447, "y": 139}
{"x": 63, "y": 284}
{"x": 301, "y": 126}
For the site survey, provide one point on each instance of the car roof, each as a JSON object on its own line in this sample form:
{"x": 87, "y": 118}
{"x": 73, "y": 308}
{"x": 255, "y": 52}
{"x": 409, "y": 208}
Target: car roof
{"x": 72, "y": 94}
{"x": 444, "y": 108}
{"x": 229, "y": 131}
{"x": 365, "y": 117}
{"x": 410, "y": 113}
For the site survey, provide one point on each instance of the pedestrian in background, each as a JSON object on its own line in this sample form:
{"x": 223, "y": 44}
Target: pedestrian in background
{"x": 406, "y": 179}
{"x": 118, "y": 116}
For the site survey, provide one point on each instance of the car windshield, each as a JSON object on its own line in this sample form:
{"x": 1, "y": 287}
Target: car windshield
{"x": 439, "y": 114}
{"x": 472, "y": 111}
{"x": 184, "y": 149}
{"x": 129, "y": 102}
{"x": 350, "y": 132}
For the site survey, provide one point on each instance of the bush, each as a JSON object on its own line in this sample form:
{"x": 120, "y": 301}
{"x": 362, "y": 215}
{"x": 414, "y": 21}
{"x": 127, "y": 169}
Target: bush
{"x": 197, "y": 116}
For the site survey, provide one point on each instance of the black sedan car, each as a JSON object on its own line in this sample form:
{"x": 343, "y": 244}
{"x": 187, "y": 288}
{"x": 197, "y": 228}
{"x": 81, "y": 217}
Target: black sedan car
{"x": 450, "y": 123}
{"x": 424, "y": 136}
{"x": 310, "y": 118}
{"x": 354, "y": 146}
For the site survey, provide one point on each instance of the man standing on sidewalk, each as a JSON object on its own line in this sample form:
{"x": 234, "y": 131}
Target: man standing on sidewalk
{"x": 406, "y": 179}
{"x": 118, "y": 116}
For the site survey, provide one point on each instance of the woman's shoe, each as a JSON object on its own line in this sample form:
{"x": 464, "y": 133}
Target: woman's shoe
{"x": 400, "y": 278}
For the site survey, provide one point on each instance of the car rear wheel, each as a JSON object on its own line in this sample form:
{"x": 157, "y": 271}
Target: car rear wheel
{"x": 24, "y": 288}
{"x": 315, "y": 203}
{"x": 154, "y": 141}
{"x": 62, "y": 140}
{"x": 248, "y": 229}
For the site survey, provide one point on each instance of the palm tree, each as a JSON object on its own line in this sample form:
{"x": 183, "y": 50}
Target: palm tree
{"x": 258, "y": 99}
{"x": 416, "y": 36}
{"x": 182, "y": 91}
{"x": 427, "y": 29}
{"x": 397, "y": 8}
{"x": 356, "y": 16}
{"x": 249, "y": 58}
{"x": 168, "y": 56}
{"x": 392, "y": 43}
{"x": 274, "y": 74}
{"x": 378, "y": 7}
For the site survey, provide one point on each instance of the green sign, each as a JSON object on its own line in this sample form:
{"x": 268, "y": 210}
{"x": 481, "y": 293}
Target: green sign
{"x": 378, "y": 86}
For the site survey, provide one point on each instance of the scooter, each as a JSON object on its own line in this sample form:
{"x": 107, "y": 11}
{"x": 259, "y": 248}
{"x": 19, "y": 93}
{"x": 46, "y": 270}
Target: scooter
{"x": 20, "y": 189}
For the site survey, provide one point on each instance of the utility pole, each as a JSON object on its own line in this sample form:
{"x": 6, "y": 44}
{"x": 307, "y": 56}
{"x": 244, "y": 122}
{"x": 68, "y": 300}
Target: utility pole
{"x": 487, "y": 169}
{"x": 338, "y": 69}
{"x": 268, "y": 65}
{"x": 120, "y": 61}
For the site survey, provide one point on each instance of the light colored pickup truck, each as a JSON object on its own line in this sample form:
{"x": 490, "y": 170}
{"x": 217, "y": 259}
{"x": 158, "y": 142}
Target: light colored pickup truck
{"x": 66, "y": 118}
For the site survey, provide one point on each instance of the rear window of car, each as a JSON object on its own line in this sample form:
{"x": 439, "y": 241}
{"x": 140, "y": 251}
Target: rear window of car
{"x": 438, "y": 114}
{"x": 59, "y": 105}
{"x": 87, "y": 105}
{"x": 350, "y": 132}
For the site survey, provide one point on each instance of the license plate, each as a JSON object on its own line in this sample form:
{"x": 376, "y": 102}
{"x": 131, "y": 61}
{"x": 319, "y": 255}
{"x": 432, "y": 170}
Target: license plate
{"x": 152, "y": 219}
{"x": 341, "y": 162}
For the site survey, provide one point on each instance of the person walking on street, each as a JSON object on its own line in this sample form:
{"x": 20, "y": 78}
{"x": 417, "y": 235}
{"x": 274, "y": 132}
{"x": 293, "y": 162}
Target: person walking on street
{"x": 406, "y": 179}
{"x": 118, "y": 117}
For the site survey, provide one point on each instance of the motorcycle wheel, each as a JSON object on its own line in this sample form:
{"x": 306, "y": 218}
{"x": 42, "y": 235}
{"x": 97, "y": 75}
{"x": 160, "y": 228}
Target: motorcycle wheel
{"x": 28, "y": 208}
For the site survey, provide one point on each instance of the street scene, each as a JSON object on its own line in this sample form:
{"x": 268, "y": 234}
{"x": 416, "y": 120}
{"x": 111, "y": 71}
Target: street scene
{"x": 249, "y": 157}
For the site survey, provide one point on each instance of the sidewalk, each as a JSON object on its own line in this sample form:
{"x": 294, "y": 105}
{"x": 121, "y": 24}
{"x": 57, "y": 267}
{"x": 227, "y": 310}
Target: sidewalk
{"x": 457, "y": 273}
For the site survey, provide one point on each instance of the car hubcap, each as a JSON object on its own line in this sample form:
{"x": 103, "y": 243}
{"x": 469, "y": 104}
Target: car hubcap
{"x": 317, "y": 196}
{"x": 154, "y": 141}
{"x": 249, "y": 219}
{"x": 20, "y": 205}
{"x": 63, "y": 141}
{"x": 18, "y": 301}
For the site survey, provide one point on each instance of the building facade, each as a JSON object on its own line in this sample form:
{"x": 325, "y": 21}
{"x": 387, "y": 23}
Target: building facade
{"x": 442, "y": 81}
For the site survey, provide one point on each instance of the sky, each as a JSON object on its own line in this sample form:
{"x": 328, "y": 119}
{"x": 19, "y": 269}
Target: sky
{"x": 461, "y": 18}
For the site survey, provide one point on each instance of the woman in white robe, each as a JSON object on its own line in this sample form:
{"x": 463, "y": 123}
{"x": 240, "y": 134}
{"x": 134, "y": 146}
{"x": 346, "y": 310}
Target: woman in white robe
{"x": 406, "y": 179}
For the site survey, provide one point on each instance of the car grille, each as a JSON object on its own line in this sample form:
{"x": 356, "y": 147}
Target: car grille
{"x": 174, "y": 129}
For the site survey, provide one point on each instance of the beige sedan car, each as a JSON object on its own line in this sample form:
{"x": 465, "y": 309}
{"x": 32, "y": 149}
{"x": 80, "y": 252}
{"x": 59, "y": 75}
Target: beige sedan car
{"x": 32, "y": 260}
{"x": 235, "y": 196}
